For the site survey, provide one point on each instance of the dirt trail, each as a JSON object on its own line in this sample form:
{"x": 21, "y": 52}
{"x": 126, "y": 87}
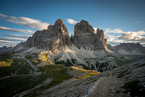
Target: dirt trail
{"x": 108, "y": 87}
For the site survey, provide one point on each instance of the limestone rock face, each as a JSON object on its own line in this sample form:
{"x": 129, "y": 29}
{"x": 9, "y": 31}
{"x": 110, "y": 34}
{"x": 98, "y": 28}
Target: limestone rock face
{"x": 84, "y": 36}
{"x": 53, "y": 39}
{"x": 100, "y": 36}
{"x": 56, "y": 37}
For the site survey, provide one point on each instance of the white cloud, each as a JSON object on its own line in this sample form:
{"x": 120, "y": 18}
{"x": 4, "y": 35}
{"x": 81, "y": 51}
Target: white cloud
{"x": 71, "y": 21}
{"x": 26, "y": 22}
{"x": 129, "y": 36}
{"x": 95, "y": 29}
{"x": 7, "y": 42}
{"x": 110, "y": 37}
{"x": 15, "y": 30}
{"x": 17, "y": 36}
{"x": 108, "y": 30}
{"x": 12, "y": 39}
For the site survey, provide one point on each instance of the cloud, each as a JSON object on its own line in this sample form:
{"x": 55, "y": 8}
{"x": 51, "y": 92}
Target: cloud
{"x": 71, "y": 21}
{"x": 3, "y": 41}
{"x": 7, "y": 43}
{"x": 110, "y": 37}
{"x": 12, "y": 39}
{"x": 95, "y": 29}
{"x": 130, "y": 36}
{"x": 137, "y": 22}
{"x": 17, "y": 36}
{"x": 133, "y": 36}
{"x": 15, "y": 30}
{"x": 108, "y": 30}
{"x": 26, "y": 22}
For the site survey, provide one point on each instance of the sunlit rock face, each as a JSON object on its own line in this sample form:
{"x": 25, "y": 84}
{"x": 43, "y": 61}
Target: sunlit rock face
{"x": 56, "y": 37}
{"x": 84, "y": 36}
{"x": 53, "y": 39}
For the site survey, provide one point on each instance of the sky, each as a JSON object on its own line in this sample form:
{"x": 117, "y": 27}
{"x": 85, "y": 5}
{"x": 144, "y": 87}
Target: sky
{"x": 121, "y": 20}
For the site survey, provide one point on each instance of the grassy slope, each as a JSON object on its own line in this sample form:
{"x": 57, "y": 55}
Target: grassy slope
{"x": 20, "y": 66}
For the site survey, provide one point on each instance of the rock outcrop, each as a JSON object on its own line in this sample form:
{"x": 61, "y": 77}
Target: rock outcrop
{"x": 53, "y": 39}
{"x": 85, "y": 36}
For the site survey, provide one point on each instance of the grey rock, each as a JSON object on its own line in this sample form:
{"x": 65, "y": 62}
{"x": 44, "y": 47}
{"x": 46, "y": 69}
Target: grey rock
{"x": 53, "y": 39}
{"x": 85, "y": 36}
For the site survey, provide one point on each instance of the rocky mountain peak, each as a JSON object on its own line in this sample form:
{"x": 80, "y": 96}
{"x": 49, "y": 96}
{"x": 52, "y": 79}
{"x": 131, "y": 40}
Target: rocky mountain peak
{"x": 54, "y": 38}
{"x": 84, "y": 22}
{"x": 59, "y": 21}
{"x": 83, "y": 27}
{"x": 100, "y": 34}
{"x": 84, "y": 36}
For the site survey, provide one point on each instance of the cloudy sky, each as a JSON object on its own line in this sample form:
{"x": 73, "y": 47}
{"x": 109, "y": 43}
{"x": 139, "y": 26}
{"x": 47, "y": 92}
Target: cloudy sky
{"x": 121, "y": 20}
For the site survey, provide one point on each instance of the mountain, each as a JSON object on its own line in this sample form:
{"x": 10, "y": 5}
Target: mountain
{"x": 128, "y": 49}
{"x": 4, "y": 48}
{"x": 53, "y": 39}
{"x": 84, "y": 36}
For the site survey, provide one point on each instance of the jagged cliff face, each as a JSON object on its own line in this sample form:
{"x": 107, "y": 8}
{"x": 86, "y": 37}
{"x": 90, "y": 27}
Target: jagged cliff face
{"x": 53, "y": 39}
{"x": 84, "y": 36}
{"x": 56, "y": 37}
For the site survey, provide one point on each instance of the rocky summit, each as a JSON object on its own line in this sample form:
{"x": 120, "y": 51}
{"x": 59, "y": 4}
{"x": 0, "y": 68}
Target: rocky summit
{"x": 53, "y": 39}
{"x": 85, "y": 36}
{"x": 56, "y": 37}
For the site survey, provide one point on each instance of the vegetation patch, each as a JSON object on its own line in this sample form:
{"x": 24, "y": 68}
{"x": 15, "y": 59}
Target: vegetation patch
{"x": 135, "y": 88}
{"x": 33, "y": 58}
{"x": 11, "y": 66}
{"x": 55, "y": 72}
{"x": 14, "y": 85}
{"x": 67, "y": 63}
{"x": 121, "y": 61}
{"x": 88, "y": 72}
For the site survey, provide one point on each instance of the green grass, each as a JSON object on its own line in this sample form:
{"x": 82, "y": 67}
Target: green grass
{"x": 19, "y": 65}
{"x": 11, "y": 86}
{"x": 4, "y": 57}
{"x": 67, "y": 63}
{"x": 121, "y": 61}
{"x": 56, "y": 72}
{"x": 135, "y": 88}
{"x": 33, "y": 58}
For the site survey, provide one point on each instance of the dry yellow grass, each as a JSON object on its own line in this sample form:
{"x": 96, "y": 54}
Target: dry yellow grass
{"x": 88, "y": 72}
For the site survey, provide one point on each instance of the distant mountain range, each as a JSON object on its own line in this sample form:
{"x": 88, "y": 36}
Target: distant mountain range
{"x": 4, "y": 48}
{"x": 128, "y": 49}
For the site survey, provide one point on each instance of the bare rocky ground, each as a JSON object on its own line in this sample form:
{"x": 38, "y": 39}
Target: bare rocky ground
{"x": 106, "y": 84}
